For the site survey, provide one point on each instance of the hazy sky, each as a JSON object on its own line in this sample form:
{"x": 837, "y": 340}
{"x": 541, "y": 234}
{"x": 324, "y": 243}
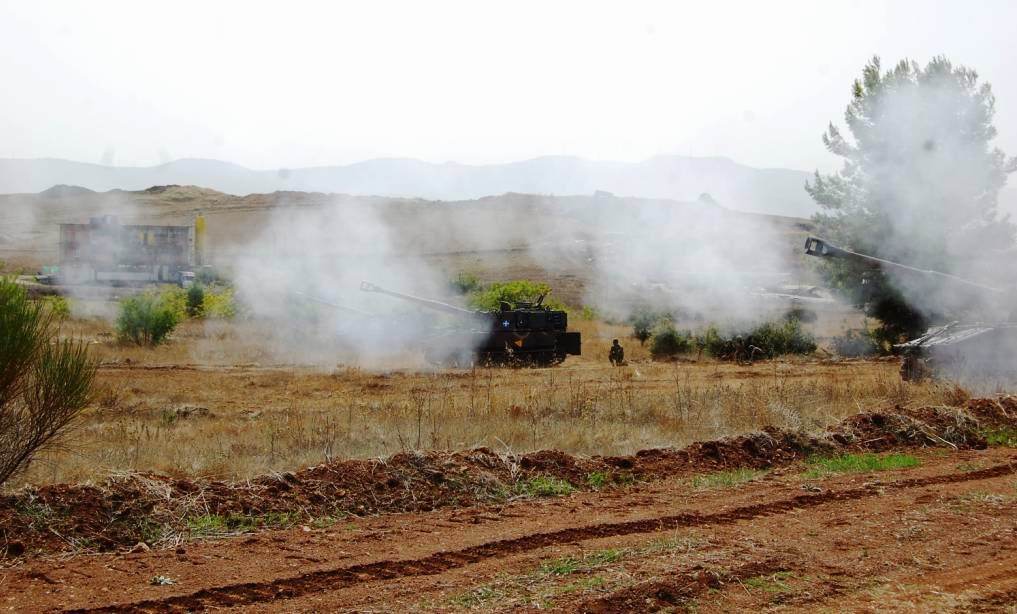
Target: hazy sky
{"x": 301, "y": 84}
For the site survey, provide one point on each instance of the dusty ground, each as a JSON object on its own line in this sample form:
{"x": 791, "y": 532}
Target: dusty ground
{"x": 936, "y": 537}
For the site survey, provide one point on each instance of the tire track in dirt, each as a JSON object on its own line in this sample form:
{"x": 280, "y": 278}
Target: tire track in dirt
{"x": 334, "y": 579}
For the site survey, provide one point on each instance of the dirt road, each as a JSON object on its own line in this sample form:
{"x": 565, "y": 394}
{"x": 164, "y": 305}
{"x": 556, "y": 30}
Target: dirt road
{"x": 938, "y": 536}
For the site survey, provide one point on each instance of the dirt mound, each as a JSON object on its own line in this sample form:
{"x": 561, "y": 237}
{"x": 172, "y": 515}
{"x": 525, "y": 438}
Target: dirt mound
{"x": 904, "y": 428}
{"x": 155, "y": 509}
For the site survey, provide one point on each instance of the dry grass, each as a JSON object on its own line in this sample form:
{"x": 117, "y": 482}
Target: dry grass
{"x": 212, "y": 403}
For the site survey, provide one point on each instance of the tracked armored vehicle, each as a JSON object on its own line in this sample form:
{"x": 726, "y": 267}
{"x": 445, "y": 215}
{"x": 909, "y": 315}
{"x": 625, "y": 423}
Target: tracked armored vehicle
{"x": 524, "y": 334}
{"x": 957, "y": 349}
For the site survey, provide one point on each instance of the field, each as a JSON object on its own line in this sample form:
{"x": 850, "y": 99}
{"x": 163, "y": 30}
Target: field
{"x": 208, "y": 404}
{"x": 249, "y": 465}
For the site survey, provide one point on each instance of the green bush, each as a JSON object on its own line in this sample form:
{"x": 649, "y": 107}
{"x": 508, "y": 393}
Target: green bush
{"x": 221, "y": 304}
{"x": 512, "y": 292}
{"x": 768, "y": 340}
{"x": 174, "y": 298}
{"x": 667, "y": 342}
{"x": 44, "y": 384}
{"x": 713, "y": 343}
{"x": 146, "y": 319}
{"x": 781, "y": 338}
{"x": 643, "y": 321}
{"x": 856, "y": 343}
{"x": 195, "y": 301}
{"x": 57, "y": 305}
{"x": 465, "y": 283}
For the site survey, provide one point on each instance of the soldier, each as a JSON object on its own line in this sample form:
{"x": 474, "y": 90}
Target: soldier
{"x": 617, "y": 354}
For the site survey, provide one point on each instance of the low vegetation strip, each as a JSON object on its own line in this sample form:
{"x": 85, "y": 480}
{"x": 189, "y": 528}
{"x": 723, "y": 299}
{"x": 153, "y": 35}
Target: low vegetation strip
{"x": 160, "y": 510}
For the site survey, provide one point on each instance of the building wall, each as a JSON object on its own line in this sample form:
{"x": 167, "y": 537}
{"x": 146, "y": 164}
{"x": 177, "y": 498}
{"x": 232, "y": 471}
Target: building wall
{"x": 106, "y": 245}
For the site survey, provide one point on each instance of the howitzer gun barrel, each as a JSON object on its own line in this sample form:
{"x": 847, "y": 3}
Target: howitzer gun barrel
{"x": 366, "y": 286}
{"x": 822, "y": 248}
{"x": 321, "y": 301}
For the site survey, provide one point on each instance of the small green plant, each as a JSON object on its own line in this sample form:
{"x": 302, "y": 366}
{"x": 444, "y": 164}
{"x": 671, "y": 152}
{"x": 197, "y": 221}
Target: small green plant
{"x": 773, "y": 583}
{"x": 858, "y": 463}
{"x": 195, "y": 301}
{"x": 568, "y": 564}
{"x": 35, "y": 512}
{"x": 216, "y": 524}
{"x": 597, "y": 480}
{"x": 561, "y": 567}
{"x": 1003, "y": 436}
{"x": 544, "y": 486}
{"x": 475, "y": 597}
{"x": 624, "y": 478}
{"x": 726, "y": 479}
{"x": 145, "y": 319}
{"x": 57, "y": 305}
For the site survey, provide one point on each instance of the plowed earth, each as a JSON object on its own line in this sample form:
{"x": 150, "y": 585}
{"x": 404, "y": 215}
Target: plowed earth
{"x": 938, "y": 536}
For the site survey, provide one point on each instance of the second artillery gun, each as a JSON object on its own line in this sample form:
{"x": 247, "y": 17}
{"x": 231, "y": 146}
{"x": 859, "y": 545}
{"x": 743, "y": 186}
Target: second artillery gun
{"x": 954, "y": 349}
{"x": 524, "y": 334}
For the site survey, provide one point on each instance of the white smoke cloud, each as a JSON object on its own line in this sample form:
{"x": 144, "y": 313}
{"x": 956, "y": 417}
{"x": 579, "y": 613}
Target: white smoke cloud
{"x": 304, "y": 270}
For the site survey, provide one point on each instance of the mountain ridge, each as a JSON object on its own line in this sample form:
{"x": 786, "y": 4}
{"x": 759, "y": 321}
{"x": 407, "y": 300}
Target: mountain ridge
{"x": 774, "y": 191}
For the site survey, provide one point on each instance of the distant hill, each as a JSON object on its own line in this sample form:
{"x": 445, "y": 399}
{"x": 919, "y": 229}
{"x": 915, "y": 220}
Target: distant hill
{"x": 772, "y": 191}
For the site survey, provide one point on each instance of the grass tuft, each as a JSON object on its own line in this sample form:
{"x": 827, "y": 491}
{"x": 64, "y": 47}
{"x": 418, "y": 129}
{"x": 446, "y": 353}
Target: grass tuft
{"x": 823, "y": 466}
{"x": 475, "y": 597}
{"x": 215, "y": 524}
{"x": 568, "y": 565}
{"x": 1001, "y": 437}
{"x": 544, "y": 486}
{"x": 726, "y": 479}
{"x": 773, "y": 583}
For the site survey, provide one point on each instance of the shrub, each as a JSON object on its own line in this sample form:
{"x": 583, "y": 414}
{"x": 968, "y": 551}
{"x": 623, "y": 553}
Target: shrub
{"x": 59, "y": 306}
{"x": 44, "y": 384}
{"x": 767, "y": 340}
{"x": 668, "y": 342}
{"x": 146, "y": 319}
{"x": 856, "y": 343}
{"x": 465, "y": 283}
{"x": 643, "y": 321}
{"x": 195, "y": 301}
{"x": 713, "y": 343}
{"x": 221, "y": 305}
{"x": 512, "y": 292}
{"x": 777, "y": 339}
{"x": 174, "y": 298}
{"x": 589, "y": 313}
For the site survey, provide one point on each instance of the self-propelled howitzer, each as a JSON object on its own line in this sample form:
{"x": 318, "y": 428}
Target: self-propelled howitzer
{"x": 954, "y": 349}
{"x": 521, "y": 334}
